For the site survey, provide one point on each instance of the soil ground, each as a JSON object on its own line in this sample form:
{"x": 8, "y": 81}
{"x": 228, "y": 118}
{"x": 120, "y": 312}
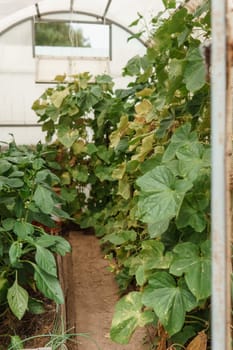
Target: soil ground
{"x": 31, "y": 326}
{"x": 91, "y": 294}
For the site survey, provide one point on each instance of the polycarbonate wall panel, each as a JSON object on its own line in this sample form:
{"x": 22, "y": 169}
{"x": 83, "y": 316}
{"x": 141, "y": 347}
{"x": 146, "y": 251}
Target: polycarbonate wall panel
{"x": 19, "y": 72}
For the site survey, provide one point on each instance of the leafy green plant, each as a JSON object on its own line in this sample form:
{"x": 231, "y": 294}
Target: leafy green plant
{"x": 28, "y": 205}
{"x": 70, "y": 112}
{"x": 170, "y": 184}
{"x": 148, "y": 165}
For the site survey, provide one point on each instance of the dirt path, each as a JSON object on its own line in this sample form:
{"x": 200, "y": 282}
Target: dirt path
{"x": 91, "y": 293}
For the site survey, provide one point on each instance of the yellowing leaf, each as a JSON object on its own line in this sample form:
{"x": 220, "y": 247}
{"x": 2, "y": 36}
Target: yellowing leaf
{"x": 67, "y": 136}
{"x": 129, "y": 314}
{"x": 145, "y": 92}
{"x": 65, "y": 178}
{"x": 145, "y": 148}
{"x": 124, "y": 188}
{"x": 122, "y": 128}
{"x": 143, "y": 107}
{"x": 58, "y": 97}
{"x": 60, "y": 78}
{"x": 78, "y": 147}
{"x": 199, "y": 342}
{"x": 119, "y": 171}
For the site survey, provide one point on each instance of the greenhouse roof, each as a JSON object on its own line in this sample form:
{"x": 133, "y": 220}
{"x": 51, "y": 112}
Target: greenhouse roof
{"x": 122, "y": 12}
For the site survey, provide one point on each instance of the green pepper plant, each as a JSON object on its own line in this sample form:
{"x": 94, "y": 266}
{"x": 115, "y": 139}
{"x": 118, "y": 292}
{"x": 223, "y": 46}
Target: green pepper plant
{"x": 28, "y": 211}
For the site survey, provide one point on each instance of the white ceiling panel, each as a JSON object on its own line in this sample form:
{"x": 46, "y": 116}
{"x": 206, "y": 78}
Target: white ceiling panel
{"x": 9, "y": 7}
{"x": 120, "y": 11}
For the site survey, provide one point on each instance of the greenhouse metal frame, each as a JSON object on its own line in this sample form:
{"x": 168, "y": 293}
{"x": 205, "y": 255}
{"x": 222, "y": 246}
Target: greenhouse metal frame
{"x": 221, "y": 103}
{"x": 221, "y": 134}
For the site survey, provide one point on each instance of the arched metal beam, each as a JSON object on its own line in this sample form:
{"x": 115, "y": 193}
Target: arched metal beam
{"x": 103, "y": 19}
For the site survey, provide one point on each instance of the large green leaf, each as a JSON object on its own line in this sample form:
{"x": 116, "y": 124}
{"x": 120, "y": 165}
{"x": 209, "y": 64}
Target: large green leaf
{"x": 120, "y": 237}
{"x": 17, "y": 298}
{"x": 156, "y": 229}
{"x": 16, "y": 173}
{"x": 93, "y": 96}
{"x": 195, "y": 70}
{"x": 43, "y": 199}
{"x": 4, "y": 166}
{"x": 23, "y": 229}
{"x": 38, "y": 164}
{"x": 15, "y": 252}
{"x": 162, "y": 195}
{"x": 128, "y": 316}
{"x": 150, "y": 257}
{"x": 192, "y": 213}
{"x": 46, "y": 176}
{"x": 183, "y": 137}
{"x": 59, "y": 213}
{"x": 46, "y": 261}
{"x": 169, "y": 300}
{"x": 8, "y": 223}
{"x": 193, "y": 159}
{"x": 48, "y": 285}
{"x": 195, "y": 263}
{"x": 14, "y": 182}
{"x": 58, "y": 244}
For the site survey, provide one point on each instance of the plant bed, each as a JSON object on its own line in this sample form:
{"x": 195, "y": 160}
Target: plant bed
{"x": 31, "y": 327}
{"x": 36, "y": 331}
{"x": 29, "y": 281}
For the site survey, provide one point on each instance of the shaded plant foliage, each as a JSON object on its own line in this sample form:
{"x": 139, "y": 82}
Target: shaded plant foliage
{"x": 28, "y": 206}
{"x": 148, "y": 168}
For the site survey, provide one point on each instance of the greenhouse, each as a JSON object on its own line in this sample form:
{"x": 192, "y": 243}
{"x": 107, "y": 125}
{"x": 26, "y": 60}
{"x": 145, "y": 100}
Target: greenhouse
{"x": 116, "y": 174}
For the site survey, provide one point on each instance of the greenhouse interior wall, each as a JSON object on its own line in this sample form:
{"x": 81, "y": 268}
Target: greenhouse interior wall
{"x": 19, "y": 74}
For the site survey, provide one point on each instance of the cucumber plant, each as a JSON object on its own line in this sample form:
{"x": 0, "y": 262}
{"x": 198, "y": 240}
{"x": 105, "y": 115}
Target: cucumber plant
{"x": 148, "y": 165}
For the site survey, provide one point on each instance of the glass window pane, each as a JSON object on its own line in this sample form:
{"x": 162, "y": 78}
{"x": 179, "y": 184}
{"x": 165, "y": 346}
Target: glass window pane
{"x": 72, "y": 39}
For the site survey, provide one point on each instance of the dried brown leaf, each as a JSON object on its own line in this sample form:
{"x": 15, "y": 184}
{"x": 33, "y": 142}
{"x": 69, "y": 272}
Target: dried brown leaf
{"x": 199, "y": 342}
